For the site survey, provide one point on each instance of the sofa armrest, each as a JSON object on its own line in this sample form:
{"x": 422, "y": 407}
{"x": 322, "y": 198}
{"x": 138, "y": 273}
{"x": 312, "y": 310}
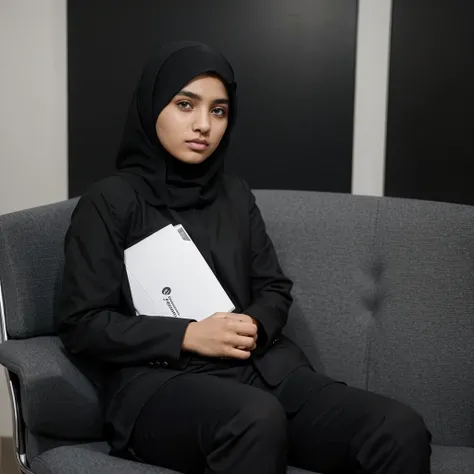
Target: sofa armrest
{"x": 57, "y": 399}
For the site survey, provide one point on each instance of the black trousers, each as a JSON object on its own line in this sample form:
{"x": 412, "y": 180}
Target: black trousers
{"x": 223, "y": 418}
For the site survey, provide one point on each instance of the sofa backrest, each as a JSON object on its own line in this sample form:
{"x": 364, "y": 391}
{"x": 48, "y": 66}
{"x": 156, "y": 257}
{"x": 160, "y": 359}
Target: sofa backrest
{"x": 31, "y": 262}
{"x": 384, "y": 297}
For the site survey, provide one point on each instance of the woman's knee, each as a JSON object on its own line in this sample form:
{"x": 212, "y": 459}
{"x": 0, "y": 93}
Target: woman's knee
{"x": 254, "y": 439}
{"x": 265, "y": 416}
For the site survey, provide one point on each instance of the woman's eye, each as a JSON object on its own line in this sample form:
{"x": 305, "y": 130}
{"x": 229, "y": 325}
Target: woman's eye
{"x": 184, "y": 105}
{"x": 220, "y": 112}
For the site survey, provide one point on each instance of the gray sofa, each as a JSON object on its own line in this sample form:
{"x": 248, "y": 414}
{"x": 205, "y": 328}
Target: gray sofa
{"x": 384, "y": 299}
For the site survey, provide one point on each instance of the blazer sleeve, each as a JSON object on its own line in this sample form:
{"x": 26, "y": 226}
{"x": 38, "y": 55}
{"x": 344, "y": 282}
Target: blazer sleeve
{"x": 91, "y": 323}
{"x": 271, "y": 289}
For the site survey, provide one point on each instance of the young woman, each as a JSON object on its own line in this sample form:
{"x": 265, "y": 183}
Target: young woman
{"x": 230, "y": 393}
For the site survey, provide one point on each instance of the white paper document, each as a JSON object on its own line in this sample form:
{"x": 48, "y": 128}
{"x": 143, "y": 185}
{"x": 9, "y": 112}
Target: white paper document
{"x": 168, "y": 276}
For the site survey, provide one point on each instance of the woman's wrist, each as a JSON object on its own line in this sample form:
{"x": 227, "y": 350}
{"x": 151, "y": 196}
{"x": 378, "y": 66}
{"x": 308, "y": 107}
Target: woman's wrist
{"x": 189, "y": 337}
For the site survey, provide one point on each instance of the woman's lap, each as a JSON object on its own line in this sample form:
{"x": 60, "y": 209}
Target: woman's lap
{"x": 180, "y": 421}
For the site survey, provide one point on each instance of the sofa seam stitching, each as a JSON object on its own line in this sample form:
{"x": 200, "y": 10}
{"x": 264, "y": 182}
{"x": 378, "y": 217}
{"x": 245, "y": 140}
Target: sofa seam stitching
{"x": 374, "y": 293}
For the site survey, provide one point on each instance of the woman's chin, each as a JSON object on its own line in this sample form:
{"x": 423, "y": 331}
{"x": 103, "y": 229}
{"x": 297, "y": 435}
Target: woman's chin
{"x": 192, "y": 158}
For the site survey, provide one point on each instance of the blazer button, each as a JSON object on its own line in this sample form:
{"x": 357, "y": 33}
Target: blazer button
{"x": 164, "y": 364}
{"x": 151, "y": 364}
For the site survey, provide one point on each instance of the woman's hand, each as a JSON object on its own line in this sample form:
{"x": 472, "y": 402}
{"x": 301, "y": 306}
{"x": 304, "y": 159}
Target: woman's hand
{"x": 222, "y": 335}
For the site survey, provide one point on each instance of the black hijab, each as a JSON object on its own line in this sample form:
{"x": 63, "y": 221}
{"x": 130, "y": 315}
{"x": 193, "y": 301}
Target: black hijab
{"x": 161, "y": 179}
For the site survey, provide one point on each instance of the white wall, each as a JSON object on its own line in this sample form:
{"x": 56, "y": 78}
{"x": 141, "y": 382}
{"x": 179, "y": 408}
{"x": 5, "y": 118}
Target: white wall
{"x": 371, "y": 93}
{"x": 33, "y": 115}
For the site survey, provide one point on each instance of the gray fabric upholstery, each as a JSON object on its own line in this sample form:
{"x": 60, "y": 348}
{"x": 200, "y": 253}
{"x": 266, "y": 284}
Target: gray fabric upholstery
{"x": 325, "y": 242}
{"x": 92, "y": 459}
{"x": 452, "y": 460}
{"x": 31, "y": 256}
{"x": 384, "y": 300}
{"x": 89, "y": 459}
{"x": 422, "y": 332}
{"x": 37, "y": 444}
{"x": 56, "y": 394}
{"x": 384, "y": 297}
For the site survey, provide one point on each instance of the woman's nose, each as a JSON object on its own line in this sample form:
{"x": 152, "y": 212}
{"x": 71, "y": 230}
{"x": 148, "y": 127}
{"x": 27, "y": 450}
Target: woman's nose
{"x": 202, "y": 122}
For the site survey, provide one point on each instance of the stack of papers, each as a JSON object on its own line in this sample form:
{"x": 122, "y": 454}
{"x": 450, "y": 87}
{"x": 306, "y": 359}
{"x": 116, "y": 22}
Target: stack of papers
{"x": 168, "y": 276}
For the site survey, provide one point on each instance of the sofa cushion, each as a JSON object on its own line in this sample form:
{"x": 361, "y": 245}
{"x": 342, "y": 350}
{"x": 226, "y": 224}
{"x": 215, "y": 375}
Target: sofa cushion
{"x": 93, "y": 459}
{"x": 421, "y": 343}
{"x": 325, "y": 244}
{"x": 384, "y": 297}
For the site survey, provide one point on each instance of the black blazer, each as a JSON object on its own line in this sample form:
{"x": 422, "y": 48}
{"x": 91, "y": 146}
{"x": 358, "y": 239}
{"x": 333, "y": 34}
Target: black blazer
{"x": 97, "y": 319}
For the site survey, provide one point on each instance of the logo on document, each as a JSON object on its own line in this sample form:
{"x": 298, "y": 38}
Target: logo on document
{"x": 169, "y": 301}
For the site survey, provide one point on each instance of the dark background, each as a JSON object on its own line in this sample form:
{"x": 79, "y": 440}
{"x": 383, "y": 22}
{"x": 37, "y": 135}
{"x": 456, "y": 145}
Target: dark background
{"x": 295, "y": 66}
{"x": 430, "y": 128}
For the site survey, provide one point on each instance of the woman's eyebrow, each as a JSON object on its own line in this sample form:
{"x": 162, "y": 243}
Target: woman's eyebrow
{"x": 194, "y": 96}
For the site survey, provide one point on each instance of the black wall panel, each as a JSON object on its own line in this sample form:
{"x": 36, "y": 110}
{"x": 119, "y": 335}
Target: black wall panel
{"x": 295, "y": 66}
{"x": 430, "y": 128}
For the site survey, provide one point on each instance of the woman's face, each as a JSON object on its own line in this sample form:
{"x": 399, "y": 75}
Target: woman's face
{"x": 192, "y": 125}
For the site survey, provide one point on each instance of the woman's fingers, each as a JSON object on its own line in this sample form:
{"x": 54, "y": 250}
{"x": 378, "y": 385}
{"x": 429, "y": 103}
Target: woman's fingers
{"x": 245, "y": 342}
{"x": 236, "y": 353}
{"x": 245, "y": 329}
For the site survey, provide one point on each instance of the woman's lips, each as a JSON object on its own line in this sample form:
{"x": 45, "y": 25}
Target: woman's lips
{"x": 197, "y": 146}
